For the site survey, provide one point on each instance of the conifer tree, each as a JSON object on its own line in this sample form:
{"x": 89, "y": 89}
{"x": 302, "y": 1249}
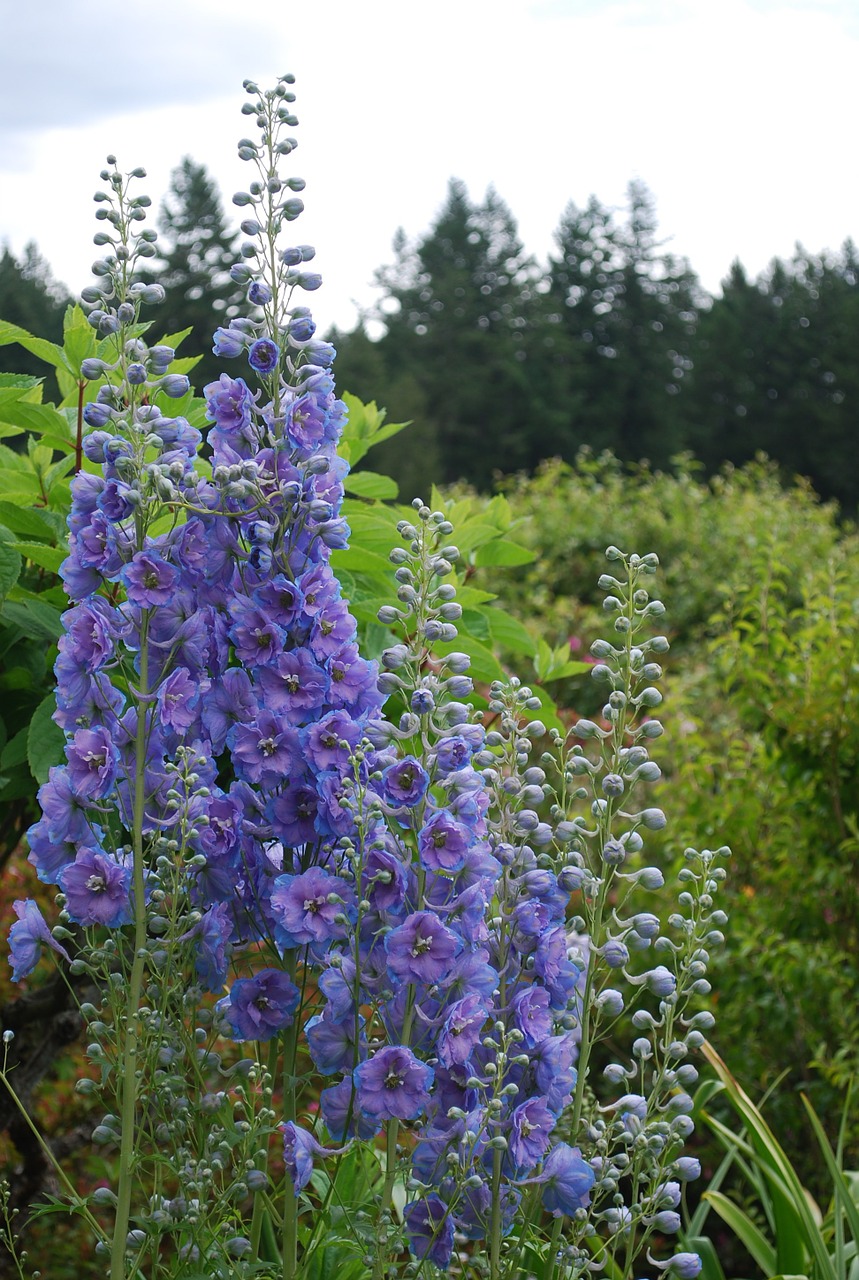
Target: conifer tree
{"x": 196, "y": 253}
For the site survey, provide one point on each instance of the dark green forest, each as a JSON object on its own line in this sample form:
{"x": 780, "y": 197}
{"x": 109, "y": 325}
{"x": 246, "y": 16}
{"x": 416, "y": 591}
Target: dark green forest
{"x": 501, "y": 361}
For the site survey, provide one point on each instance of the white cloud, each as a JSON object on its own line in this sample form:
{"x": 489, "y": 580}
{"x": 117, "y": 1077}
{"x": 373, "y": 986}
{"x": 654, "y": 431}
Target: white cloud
{"x": 736, "y": 115}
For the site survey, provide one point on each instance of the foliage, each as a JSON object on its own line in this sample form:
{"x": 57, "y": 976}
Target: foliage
{"x": 32, "y": 299}
{"x": 797, "y": 1239}
{"x": 764, "y": 716}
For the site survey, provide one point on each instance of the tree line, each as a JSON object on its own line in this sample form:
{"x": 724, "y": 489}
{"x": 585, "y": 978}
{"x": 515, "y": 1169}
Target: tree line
{"x": 501, "y": 361}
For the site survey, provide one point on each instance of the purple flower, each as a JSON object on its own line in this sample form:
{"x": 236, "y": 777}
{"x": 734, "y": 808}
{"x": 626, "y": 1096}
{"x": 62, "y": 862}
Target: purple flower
{"x": 393, "y": 1084}
{"x": 26, "y": 937}
{"x": 686, "y": 1266}
{"x": 294, "y": 685}
{"x": 93, "y": 760}
{"x": 299, "y": 1148}
{"x": 332, "y": 1043}
{"x": 97, "y": 889}
{"x": 422, "y": 949}
{"x": 430, "y": 1230}
{"x": 339, "y": 1107}
{"x": 213, "y": 931}
{"x": 532, "y": 1015}
{"x": 461, "y": 1030}
{"x": 150, "y": 580}
{"x": 301, "y": 906}
{"x": 323, "y": 740}
{"x": 567, "y": 1180}
{"x": 264, "y": 355}
{"x": 229, "y": 403}
{"x": 178, "y": 697}
{"x": 443, "y": 843}
{"x": 406, "y": 782}
{"x": 258, "y": 1008}
{"x": 531, "y": 1124}
{"x": 267, "y": 749}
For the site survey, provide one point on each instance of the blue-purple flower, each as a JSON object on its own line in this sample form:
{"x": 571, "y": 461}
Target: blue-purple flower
{"x": 26, "y": 937}
{"x": 264, "y": 355}
{"x": 430, "y": 1229}
{"x": 258, "y": 1008}
{"x": 567, "y": 1180}
{"x": 97, "y": 889}
{"x": 393, "y": 1084}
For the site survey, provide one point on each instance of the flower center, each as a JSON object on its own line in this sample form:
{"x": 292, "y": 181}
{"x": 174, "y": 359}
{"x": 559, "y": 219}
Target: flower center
{"x": 96, "y": 883}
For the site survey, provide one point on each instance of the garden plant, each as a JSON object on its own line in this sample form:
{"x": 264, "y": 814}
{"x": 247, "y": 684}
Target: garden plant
{"x": 364, "y": 943}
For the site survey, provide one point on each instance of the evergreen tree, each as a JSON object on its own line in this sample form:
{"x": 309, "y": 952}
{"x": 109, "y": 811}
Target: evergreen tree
{"x": 196, "y": 253}
{"x": 458, "y": 307}
{"x": 31, "y": 298}
{"x": 625, "y": 316}
{"x": 775, "y": 370}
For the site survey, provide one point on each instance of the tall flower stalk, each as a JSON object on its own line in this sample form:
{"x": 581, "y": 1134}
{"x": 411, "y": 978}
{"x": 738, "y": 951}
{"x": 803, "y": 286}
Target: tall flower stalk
{"x": 417, "y": 932}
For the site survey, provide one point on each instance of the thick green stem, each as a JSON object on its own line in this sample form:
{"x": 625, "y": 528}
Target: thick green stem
{"x": 391, "y": 1131}
{"x": 290, "y": 1202}
{"x": 128, "y": 1111}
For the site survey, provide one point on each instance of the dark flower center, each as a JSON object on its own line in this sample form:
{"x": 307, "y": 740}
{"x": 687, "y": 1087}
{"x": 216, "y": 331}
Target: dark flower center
{"x": 96, "y": 883}
{"x": 394, "y": 1079}
{"x": 292, "y": 683}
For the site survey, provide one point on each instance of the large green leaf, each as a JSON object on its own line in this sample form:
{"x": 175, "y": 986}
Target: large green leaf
{"x": 502, "y": 553}
{"x": 797, "y": 1234}
{"x": 26, "y": 521}
{"x": 746, "y": 1231}
{"x": 369, "y": 484}
{"x": 47, "y": 351}
{"x": 45, "y": 740}
{"x": 37, "y": 620}
{"x": 40, "y": 553}
{"x": 10, "y": 564}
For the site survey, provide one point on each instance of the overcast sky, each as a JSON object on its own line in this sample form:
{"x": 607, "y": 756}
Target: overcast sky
{"x": 739, "y": 115}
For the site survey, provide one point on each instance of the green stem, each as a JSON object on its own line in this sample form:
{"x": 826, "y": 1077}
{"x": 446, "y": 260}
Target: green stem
{"x": 128, "y": 1086}
{"x": 495, "y": 1229}
{"x": 391, "y": 1131}
{"x": 553, "y": 1247}
{"x": 290, "y": 1201}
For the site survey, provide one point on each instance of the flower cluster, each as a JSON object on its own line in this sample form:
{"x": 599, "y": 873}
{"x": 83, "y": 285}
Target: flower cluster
{"x": 422, "y": 933}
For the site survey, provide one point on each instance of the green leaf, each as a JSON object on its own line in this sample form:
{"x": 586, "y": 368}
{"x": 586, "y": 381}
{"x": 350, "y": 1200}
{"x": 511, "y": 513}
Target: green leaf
{"x": 41, "y": 419}
{"x": 503, "y": 553}
{"x": 358, "y": 559}
{"x": 37, "y": 620}
{"x": 10, "y": 567}
{"x": 45, "y": 740}
{"x": 20, "y": 381}
{"x": 79, "y": 339}
{"x": 26, "y": 520}
{"x": 509, "y": 632}
{"x": 842, "y": 1190}
{"x": 711, "y": 1267}
{"x": 39, "y": 553}
{"x": 745, "y": 1230}
{"x": 368, "y": 484}
{"x": 15, "y": 751}
{"x": 47, "y": 351}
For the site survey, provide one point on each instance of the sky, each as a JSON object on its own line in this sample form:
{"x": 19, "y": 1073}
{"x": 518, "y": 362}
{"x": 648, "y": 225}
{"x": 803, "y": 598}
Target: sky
{"x": 740, "y": 116}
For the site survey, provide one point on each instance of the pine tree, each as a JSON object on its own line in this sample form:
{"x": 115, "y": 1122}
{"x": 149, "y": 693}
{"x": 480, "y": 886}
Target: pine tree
{"x": 31, "y": 298}
{"x": 457, "y": 313}
{"x": 196, "y": 253}
{"x": 625, "y": 315}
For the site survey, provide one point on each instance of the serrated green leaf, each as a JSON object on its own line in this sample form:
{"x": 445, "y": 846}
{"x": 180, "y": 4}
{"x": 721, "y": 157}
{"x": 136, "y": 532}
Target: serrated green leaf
{"x": 45, "y": 740}
{"x": 10, "y": 567}
{"x": 40, "y": 553}
{"x": 41, "y": 419}
{"x": 368, "y": 484}
{"x": 502, "y": 553}
{"x": 34, "y": 618}
{"x": 27, "y": 521}
{"x": 23, "y": 381}
{"x": 359, "y": 559}
{"x": 508, "y": 631}
{"x": 47, "y": 351}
